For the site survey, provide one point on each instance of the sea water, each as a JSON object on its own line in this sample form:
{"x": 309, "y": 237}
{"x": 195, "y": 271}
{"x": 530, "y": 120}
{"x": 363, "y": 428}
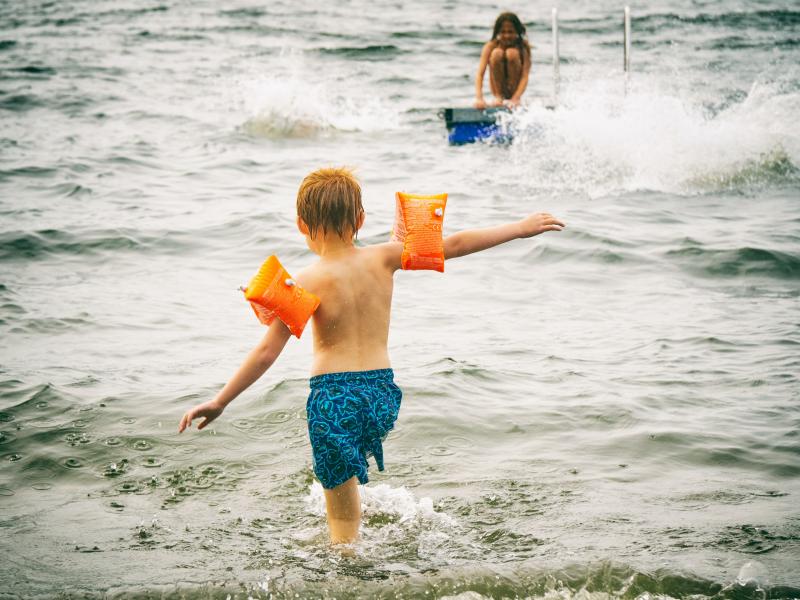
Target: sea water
{"x": 609, "y": 411}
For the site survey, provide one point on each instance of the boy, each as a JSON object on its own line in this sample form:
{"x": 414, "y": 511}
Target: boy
{"x": 353, "y": 402}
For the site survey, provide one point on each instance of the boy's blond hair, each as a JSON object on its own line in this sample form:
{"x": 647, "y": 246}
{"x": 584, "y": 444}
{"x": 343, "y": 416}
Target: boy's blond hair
{"x": 330, "y": 199}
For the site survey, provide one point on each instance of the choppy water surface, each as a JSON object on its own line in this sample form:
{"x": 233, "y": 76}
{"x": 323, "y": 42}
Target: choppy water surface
{"x": 608, "y": 411}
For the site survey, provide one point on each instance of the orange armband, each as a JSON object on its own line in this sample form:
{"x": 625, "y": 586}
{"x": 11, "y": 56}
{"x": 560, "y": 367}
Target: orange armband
{"x": 273, "y": 293}
{"x": 418, "y": 224}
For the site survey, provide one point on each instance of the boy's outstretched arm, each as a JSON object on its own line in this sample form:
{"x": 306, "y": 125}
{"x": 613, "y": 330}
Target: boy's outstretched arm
{"x": 254, "y": 366}
{"x": 474, "y": 240}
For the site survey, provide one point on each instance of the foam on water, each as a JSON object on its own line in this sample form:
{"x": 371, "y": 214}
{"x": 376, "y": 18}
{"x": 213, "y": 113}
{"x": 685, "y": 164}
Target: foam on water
{"x": 382, "y": 499}
{"x": 601, "y": 140}
{"x": 295, "y": 102}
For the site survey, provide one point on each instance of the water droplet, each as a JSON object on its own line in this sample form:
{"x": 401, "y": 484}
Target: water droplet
{"x": 142, "y": 445}
{"x": 72, "y": 463}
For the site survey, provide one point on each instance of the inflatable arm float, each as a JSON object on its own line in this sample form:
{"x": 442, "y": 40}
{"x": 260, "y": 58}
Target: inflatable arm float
{"x": 273, "y": 293}
{"x": 418, "y": 224}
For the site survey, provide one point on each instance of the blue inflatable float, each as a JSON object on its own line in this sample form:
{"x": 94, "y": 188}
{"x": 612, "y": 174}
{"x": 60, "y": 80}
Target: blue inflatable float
{"x": 469, "y": 125}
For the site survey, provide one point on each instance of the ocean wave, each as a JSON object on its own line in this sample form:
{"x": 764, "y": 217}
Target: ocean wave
{"x": 601, "y": 141}
{"x": 737, "y": 262}
{"x": 356, "y": 577}
{"x": 759, "y": 20}
{"x": 773, "y": 167}
{"x": 373, "y": 52}
{"x": 38, "y": 245}
{"x": 298, "y": 107}
{"x": 20, "y": 102}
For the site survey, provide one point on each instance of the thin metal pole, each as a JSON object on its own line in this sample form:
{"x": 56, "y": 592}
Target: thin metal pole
{"x": 627, "y": 43}
{"x": 556, "y": 58}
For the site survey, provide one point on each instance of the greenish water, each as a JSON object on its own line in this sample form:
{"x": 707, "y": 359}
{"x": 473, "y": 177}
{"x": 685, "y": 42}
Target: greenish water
{"x": 607, "y": 412}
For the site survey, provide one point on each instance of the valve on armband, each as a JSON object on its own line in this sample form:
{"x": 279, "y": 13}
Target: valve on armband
{"x": 418, "y": 224}
{"x": 274, "y": 293}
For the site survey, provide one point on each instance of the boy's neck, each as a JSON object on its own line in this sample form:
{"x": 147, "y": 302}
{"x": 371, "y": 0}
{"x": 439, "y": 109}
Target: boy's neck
{"x": 325, "y": 245}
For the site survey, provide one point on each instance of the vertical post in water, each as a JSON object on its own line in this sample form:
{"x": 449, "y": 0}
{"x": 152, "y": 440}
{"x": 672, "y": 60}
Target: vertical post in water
{"x": 556, "y": 59}
{"x": 626, "y": 62}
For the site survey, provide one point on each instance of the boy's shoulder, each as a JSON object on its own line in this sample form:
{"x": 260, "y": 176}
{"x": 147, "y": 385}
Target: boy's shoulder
{"x": 385, "y": 254}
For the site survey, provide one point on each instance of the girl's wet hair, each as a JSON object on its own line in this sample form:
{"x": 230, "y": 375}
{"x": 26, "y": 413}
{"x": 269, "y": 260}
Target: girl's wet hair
{"x": 521, "y": 43}
{"x": 330, "y": 199}
{"x": 511, "y": 18}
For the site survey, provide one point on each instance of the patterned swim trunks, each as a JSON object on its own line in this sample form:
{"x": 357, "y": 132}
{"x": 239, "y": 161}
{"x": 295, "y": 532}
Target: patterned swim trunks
{"x": 349, "y": 415}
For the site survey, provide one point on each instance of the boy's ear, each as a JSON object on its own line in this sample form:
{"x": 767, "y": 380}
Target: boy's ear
{"x": 361, "y": 219}
{"x": 301, "y": 225}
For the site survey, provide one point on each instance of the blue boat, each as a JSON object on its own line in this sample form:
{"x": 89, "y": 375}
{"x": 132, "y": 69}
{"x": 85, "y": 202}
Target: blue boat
{"x": 469, "y": 125}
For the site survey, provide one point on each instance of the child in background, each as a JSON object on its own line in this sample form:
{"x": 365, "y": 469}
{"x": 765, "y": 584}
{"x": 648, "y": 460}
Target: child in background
{"x": 508, "y": 56}
{"x": 354, "y": 401}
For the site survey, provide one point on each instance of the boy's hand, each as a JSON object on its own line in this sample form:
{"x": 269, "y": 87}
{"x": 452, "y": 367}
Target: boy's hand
{"x": 210, "y": 410}
{"x": 539, "y": 223}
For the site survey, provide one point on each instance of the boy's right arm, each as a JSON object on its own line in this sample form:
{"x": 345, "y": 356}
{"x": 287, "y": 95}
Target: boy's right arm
{"x": 474, "y": 240}
{"x": 254, "y": 366}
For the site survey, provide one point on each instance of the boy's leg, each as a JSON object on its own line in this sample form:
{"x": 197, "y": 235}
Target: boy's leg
{"x": 343, "y": 506}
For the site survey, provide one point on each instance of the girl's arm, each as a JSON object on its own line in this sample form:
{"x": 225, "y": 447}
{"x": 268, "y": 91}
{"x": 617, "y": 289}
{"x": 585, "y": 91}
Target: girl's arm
{"x": 480, "y": 103}
{"x": 254, "y": 366}
{"x": 474, "y": 240}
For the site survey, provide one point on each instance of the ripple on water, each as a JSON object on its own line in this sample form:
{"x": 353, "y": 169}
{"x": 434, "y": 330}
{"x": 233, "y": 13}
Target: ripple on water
{"x": 277, "y": 417}
{"x": 6, "y": 417}
{"x": 130, "y": 487}
{"x": 113, "y": 441}
{"x": 240, "y": 469}
{"x": 72, "y": 463}
{"x": 142, "y": 445}
{"x": 457, "y": 441}
{"x": 243, "y": 424}
{"x": 151, "y": 461}
{"x": 116, "y": 469}
{"x": 78, "y": 439}
{"x": 440, "y": 451}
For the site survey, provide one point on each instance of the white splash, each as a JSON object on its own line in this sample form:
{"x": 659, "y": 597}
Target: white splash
{"x": 294, "y": 101}
{"x": 384, "y": 499}
{"x": 600, "y": 140}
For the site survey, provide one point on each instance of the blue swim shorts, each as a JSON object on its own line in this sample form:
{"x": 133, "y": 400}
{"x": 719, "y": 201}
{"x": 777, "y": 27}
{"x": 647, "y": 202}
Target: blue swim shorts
{"x": 349, "y": 415}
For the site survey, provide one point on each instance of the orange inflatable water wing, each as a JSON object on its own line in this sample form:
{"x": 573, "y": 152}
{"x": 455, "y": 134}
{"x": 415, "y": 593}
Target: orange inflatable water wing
{"x": 418, "y": 224}
{"x": 273, "y": 293}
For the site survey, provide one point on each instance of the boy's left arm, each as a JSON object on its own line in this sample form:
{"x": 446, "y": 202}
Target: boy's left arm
{"x": 254, "y": 366}
{"x": 470, "y": 241}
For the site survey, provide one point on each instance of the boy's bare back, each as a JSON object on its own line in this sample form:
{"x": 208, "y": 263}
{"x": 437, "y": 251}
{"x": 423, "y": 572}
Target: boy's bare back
{"x": 351, "y": 326}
